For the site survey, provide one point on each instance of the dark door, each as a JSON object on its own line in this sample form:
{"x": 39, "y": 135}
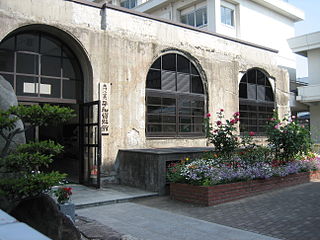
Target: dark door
{"x": 91, "y": 144}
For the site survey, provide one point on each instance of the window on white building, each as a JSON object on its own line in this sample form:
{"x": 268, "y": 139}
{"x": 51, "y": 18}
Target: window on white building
{"x": 128, "y": 3}
{"x": 197, "y": 18}
{"x": 227, "y": 16}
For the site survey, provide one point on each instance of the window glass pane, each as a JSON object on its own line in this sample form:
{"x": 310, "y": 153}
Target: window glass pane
{"x": 27, "y": 86}
{"x": 28, "y": 42}
{"x": 157, "y": 64}
{"x": 269, "y": 94}
{"x": 169, "y": 128}
{"x": 185, "y": 128}
{"x": 154, "y": 118}
{"x": 154, "y": 109}
{"x": 27, "y": 63}
{"x": 154, "y": 127}
{"x": 8, "y": 44}
{"x": 201, "y": 15}
{"x": 6, "y": 61}
{"x": 261, "y": 92}
{"x": 198, "y": 112}
{"x": 198, "y": 104}
{"x": 50, "y": 46}
{"x": 154, "y": 79}
{"x": 51, "y": 66}
{"x": 252, "y": 91}
{"x": 261, "y": 78}
{"x": 168, "y": 110}
{"x": 50, "y": 88}
{"x": 194, "y": 70}
{"x": 184, "y": 102}
{"x": 71, "y": 68}
{"x": 227, "y": 16}
{"x": 8, "y": 77}
{"x": 183, "y": 19}
{"x": 191, "y": 19}
{"x": 183, "y": 83}
{"x": 185, "y": 120}
{"x": 183, "y": 64}
{"x": 169, "y": 62}
{"x": 243, "y": 90}
{"x": 70, "y": 89}
{"x": 185, "y": 111}
{"x": 252, "y": 77}
{"x": 154, "y": 100}
{"x": 196, "y": 84}
{"x": 168, "y": 81}
{"x": 168, "y": 119}
{"x": 169, "y": 101}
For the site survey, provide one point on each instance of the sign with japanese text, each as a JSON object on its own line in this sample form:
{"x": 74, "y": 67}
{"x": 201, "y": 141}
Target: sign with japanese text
{"x": 104, "y": 94}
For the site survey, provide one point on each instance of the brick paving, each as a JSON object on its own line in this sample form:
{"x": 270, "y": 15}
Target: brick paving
{"x": 292, "y": 213}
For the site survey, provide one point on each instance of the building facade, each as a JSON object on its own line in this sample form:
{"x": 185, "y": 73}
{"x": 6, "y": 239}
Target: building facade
{"x": 156, "y": 79}
{"x": 308, "y": 45}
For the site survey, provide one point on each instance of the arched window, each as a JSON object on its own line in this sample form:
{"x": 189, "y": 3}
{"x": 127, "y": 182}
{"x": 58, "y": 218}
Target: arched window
{"x": 175, "y": 99}
{"x": 40, "y": 68}
{"x": 256, "y": 101}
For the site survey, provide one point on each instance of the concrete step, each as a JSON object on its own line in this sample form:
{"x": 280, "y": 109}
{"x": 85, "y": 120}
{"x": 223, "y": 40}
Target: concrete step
{"x": 83, "y": 196}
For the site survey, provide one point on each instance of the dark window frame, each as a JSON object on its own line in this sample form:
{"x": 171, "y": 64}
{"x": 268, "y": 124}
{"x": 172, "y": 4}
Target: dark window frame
{"x": 255, "y": 112}
{"x": 181, "y": 129}
{"x": 65, "y": 54}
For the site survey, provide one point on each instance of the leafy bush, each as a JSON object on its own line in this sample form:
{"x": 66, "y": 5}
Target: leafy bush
{"x": 222, "y": 134}
{"x": 287, "y": 138}
{"x": 20, "y": 169}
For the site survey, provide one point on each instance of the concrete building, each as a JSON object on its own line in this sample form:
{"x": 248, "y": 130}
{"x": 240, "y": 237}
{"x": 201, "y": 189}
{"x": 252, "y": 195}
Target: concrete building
{"x": 155, "y": 79}
{"x": 308, "y": 45}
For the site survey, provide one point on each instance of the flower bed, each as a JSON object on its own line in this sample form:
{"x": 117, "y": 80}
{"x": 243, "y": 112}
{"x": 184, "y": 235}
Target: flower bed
{"x": 217, "y": 194}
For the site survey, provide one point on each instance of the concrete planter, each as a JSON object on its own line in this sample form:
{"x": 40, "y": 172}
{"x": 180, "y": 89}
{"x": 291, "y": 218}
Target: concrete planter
{"x": 67, "y": 209}
{"x": 213, "y": 195}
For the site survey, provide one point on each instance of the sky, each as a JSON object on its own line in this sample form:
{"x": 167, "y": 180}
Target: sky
{"x": 311, "y": 24}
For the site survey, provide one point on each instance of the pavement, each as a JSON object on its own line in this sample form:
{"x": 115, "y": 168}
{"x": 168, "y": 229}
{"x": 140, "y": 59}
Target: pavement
{"x": 292, "y": 213}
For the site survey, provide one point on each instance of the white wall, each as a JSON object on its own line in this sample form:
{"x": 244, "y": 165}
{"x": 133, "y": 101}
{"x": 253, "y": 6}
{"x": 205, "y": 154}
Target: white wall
{"x": 314, "y": 66}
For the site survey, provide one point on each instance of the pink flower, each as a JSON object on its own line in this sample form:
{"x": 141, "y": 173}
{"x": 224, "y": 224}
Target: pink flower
{"x": 236, "y": 114}
{"x": 221, "y": 110}
{"x": 252, "y": 133}
{"x": 219, "y": 123}
{"x": 208, "y": 115}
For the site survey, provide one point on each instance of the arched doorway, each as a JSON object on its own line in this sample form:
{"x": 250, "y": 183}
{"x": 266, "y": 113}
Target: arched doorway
{"x": 44, "y": 68}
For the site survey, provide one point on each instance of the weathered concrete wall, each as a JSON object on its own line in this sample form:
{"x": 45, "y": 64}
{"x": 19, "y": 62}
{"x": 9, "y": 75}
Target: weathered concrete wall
{"x": 121, "y": 47}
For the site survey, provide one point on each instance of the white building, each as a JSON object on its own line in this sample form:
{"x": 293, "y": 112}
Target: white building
{"x": 308, "y": 45}
{"x": 264, "y": 22}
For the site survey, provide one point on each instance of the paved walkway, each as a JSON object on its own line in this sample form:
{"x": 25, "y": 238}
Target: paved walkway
{"x": 292, "y": 213}
{"x": 154, "y": 224}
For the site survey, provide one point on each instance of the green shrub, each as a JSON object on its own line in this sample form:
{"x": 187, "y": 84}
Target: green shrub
{"x": 287, "y": 138}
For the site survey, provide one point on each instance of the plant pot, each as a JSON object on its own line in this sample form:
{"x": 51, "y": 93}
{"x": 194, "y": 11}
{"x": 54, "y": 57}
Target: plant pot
{"x": 67, "y": 209}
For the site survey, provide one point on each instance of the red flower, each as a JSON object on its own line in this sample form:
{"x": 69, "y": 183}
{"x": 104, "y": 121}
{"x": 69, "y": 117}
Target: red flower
{"x": 252, "y": 133}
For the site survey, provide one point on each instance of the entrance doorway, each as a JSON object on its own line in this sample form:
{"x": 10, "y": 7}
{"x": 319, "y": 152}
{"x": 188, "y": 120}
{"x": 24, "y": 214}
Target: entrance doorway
{"x": 44, "y": 69}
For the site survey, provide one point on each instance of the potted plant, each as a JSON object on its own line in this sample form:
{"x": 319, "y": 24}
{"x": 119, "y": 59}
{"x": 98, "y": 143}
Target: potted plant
{"x": 63, "y": 195}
